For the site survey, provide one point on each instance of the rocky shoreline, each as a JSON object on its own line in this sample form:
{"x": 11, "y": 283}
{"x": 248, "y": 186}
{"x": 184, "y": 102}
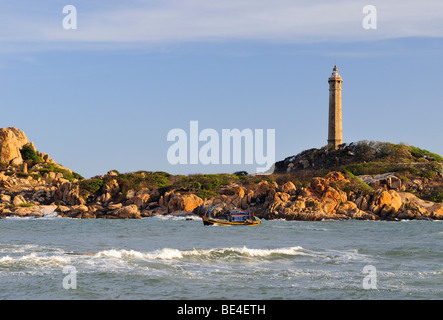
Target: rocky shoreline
{"x": 38, "y": 187}
{"x": 322, "y": 199}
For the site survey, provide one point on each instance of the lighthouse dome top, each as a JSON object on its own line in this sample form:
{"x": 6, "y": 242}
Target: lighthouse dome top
{"x": 335, "y": 74}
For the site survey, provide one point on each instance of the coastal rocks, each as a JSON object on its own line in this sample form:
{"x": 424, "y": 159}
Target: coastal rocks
{"x": 11, "y": 142}
{"x": 114, "y": 206}
{"x": 414, "y": 185}
{"x": 97, "y": 211}
{"x": 231, "y": 198}
{"x": 350, "y": 210}
{"x": 278, "y": 203}
{"x": 416, "y": 208}
{"x": 393, "y": 205}
{"x": 5, "y": 198}
{"x": 18, "y": 200}
{"x": 264, "y": 189}
{"x": 301, "y": 161}
{"x": 318, "y": 185}
{"x": 289, "y": 188}
{"x": 183, "y": 202}
{"x": 413, "y": 211}
{"x": 436, "y": 211}
{"x": 27, "y": 186}
{"x": 42, "y": 194}
{"x": 362, "y": 202}
{"x": 319, "y": 200}
{"x": 76, "y": 211}
{"x": 386, "y": 180}
{"x": 29, "y": 211}
{"x": 127, "y": 212}
{"x": 385, "y": 203}
{"x": 336, "y": 176}
{"x": 112, "y": 188}
{"x": 69, "y": 194}
{"x": 140, "y": 199}
{"x": 26, "y": 212}
{"x": 331, "y": 199}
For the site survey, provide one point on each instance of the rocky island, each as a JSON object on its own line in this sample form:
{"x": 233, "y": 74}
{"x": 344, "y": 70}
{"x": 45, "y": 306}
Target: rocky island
{"x": 364, "y": 180}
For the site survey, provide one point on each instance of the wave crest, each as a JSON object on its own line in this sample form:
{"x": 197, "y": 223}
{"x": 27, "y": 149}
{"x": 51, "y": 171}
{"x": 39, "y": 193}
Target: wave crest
{"x": 203, "y": 254}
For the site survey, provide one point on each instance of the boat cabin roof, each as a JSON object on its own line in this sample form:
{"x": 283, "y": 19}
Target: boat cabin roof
{"x": 239, "y": 213}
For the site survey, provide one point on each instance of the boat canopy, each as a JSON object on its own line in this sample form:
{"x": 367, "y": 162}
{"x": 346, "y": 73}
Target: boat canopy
{"x": 238, "y": 212}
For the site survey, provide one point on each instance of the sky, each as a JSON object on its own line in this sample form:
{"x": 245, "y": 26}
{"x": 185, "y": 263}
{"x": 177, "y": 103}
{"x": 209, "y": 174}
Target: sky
{"x": 105, "y": 95}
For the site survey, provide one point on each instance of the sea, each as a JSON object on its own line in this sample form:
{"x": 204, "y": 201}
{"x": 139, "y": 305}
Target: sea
{"x": 177, "y": 258}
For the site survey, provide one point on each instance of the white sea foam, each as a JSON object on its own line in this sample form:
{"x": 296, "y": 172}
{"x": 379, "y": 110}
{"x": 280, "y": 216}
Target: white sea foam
{"x": 128, "y": 254}
{"x": 251, "y": 252}
{"x": 119, "y": 253}
{"x": 162, "y": 254}
{"x": 34, "y": 260}
{"x": 19, "y": 218}
{"x": 175, "y": 254}
{"x": 181, "y": 217}
{"x": 13, "y": 248}
{"x": 6, "y": 259}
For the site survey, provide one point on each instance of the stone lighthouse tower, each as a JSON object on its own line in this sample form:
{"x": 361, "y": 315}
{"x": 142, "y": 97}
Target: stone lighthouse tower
{"x": 335, "y": 133}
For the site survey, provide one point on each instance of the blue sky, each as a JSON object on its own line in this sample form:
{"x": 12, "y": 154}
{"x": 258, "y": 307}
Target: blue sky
{"x": 104, "y": 96}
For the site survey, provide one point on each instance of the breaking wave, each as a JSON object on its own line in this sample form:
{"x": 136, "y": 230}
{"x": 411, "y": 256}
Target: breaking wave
{"x": 33, "y": 260}
{"x": 204, "y": 254}
{"x": 178, "y": 217}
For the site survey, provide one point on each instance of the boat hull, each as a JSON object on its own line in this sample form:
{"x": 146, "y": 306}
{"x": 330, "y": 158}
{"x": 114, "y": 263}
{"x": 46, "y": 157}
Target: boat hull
{"x": 210, "y": 221}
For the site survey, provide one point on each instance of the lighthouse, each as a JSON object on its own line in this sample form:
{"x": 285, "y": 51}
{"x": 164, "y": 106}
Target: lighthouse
{"x": 335, "y": 133}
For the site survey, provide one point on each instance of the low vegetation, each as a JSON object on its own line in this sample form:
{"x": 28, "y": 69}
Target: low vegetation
{"x": 364, "y": 158}
{"x": 353, "y": 160}
{"x": 28, "y": 153}
{"x": 356, "y": 185}
{"x": 90, "y": 186}
{"x": 205, "y": 185}
{"x": 67, "y": 174}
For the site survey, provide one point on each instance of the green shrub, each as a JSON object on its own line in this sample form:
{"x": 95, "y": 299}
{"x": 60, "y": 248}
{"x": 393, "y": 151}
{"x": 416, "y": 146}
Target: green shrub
{"x": 421, "y": 153}
{"x": 435, "y": 194}
{"x": 241, "y": 173}
{"x": 431, "y": 170}
{"x": 26, "y": 205}
{"x": 204, "y": 185}
{"x": 429, "y": 174}
{"x": 143, "y": 179}
{"x": 77, "y": 176}
{"x": 90, "y": 186}
{"x": 28, "y": 153}
{"x": 206, "y": 194}
{"x": 437, "y": 197}
{"x": 356, "y": 184}
{"x": 370, "y": 168}
{"x": 22, "y": 175}
{"x": 50, "y": 167}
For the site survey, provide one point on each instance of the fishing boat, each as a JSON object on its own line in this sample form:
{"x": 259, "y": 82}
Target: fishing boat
{"x": 234, "y": 218}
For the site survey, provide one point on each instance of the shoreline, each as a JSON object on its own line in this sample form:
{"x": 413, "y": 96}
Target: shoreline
{"x": 332, "y": 197}
{"x": 363, "y": 181}
{"x": 193, "y": 216}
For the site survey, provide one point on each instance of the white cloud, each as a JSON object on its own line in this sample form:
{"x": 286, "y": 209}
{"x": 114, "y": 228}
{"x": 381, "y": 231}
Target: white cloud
{"x": 166, "y": 21}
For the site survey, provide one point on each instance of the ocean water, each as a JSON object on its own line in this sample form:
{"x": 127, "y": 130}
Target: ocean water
{"x": 173, "y": 258}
